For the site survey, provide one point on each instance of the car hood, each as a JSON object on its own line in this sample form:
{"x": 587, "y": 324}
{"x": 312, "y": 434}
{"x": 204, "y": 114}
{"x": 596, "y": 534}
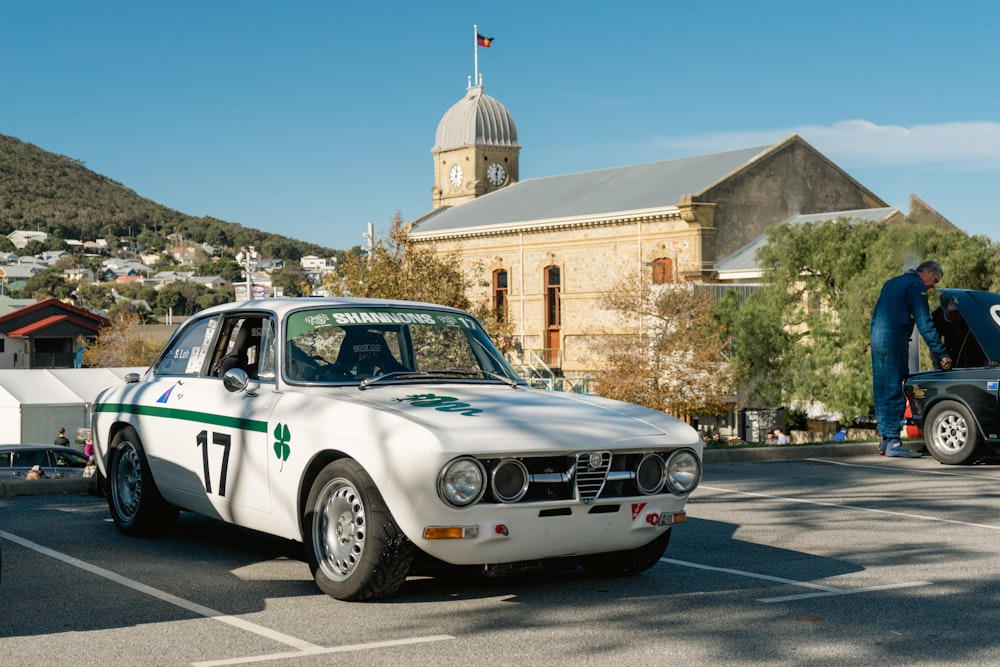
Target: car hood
{"x": 501, "y": 418}
{"x": 981, "y": 311}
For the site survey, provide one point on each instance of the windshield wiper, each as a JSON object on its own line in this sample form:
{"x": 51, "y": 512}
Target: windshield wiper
{"x": 395, "y": 374}
{"x": 439, "y": 372}
{"x": 477, "y": 372}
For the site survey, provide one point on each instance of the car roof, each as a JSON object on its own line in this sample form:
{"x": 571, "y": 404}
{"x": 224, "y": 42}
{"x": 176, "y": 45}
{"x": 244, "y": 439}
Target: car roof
{"x": 30, "y": 445}
{"x": 981, "y": 311}
{"x": 282, "y": 306}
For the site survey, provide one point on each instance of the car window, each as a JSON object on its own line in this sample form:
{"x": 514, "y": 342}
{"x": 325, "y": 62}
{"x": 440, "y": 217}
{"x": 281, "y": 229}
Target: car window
{"x": 186, "y": 353}
{"x": 33, "y": 457}
{"x": 245, "y": 341}
{"x": 5, "y": 459}
{"x": 441, "y": 347}
{"x": 68, "y": 460}
{"x": 343, "y": 345}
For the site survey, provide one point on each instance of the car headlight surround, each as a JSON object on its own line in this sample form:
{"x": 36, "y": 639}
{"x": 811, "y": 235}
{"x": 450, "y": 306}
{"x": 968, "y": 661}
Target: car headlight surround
{"x": 509, "y": 480}
{"x": 462, "y": 482}
{"x": 651, "y": 474}
{"x": 683, "y": 471}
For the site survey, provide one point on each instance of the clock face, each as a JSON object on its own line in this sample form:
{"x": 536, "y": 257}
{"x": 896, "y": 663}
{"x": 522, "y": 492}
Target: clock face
{"x": 496, "y": 174}
{"x": 455, "y": 176}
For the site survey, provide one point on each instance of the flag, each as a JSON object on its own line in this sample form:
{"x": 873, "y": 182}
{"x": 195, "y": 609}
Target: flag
{"x": 483, "y": 41}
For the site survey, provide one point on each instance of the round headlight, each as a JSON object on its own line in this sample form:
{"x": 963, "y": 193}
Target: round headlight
{"x": 651, "y": 474}
{"x": 462, "y": 482}
{"x": 683, "y": 471}
{"x": 510, "y": 481}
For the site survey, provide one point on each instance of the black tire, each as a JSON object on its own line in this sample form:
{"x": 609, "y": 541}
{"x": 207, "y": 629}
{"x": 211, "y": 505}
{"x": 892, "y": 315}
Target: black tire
{"x": 136, "y": 505}
{"x": 354, "y": 548}
{"x": 951, "y": 434}
{"x": 627, "y": 563}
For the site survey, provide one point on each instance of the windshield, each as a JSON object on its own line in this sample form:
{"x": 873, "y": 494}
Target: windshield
{"x": 344, "y": 345}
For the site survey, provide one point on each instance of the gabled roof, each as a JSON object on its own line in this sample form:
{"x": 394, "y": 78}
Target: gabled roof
{"x": 51, "y": 321}
{"x": 596, "y": 194}
{"x": 50, "y": 311}
{"x": 745, "y": 259}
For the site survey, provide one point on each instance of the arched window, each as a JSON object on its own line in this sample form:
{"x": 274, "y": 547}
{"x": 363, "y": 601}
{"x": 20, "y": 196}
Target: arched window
{"x": 500, "y": 294}
{"x": 663, "y": 271}
{"x": 553, "y": 314}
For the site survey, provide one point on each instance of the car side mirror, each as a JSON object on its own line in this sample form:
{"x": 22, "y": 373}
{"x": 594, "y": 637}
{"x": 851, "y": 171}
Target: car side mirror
{"x": 235, "y": 379}
{"x": 131, "y": 378}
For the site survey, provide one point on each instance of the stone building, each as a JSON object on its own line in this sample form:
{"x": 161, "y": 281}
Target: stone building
{"x": 543, "y": 250}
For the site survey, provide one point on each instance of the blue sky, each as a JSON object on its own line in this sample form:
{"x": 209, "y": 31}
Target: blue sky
{"x": 313, "y": 118}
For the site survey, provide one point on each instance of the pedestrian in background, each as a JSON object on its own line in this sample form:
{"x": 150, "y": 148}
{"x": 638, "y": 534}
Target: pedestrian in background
{"x": 61, "y": 439}
{"x": 901, "y": 304}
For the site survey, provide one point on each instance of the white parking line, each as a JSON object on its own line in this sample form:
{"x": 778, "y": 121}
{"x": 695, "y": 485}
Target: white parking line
{"x": 820, "y": 590}
{"x": 320, "y": 651}
{"x": 303, "y": 647}
{"x": 820, "y": 503}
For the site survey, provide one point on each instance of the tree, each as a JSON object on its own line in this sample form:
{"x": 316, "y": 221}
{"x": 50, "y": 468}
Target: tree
{"x": 399, "y": 269}
{"x": 674, "y": 360}
{"x": 45, "y": 284}
{"x": 121, "y": 344}
{"x": 291, "y": 280}
{"x": 804, "y": 335}
{"x": 179, "y": 298}
{"x": 95, "y": 298}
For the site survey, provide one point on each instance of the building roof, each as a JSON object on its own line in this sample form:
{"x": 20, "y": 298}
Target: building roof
{"x": 602, "y": 193}
{"x": 745, "y": 259}
{"x": 26, "y": 320}
{"x": 476, "y": 120}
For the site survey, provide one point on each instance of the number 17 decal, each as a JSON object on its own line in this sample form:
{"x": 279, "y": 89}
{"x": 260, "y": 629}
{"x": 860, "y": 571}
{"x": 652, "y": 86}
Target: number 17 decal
{"x": 223, "y": 439}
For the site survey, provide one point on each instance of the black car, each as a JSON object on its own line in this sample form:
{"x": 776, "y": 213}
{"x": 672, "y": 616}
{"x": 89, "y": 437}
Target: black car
{"x": 959, "y": 409}
{"x": 55, "y": 461}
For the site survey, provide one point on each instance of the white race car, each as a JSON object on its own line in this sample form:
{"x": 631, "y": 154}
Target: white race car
{"x": 383, "y": 435}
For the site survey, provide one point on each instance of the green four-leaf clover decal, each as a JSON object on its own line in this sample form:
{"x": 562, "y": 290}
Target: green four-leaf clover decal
{"x": 281, "y": 439}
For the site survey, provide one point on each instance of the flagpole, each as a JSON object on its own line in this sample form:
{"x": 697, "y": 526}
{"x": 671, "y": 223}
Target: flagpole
{"x": 475, "y": 51}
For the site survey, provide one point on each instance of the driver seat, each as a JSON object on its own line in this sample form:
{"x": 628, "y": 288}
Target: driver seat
{"x": 247, "y": 339}
{"x": 365, "y": 353}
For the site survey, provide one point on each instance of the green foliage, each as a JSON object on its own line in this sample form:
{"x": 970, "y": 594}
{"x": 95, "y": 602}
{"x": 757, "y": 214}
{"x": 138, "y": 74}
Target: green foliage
{"x": 93, "y": 297}
{"x": 804, "y": 335}
{"x": 44, "y": 284}
{"x": 178, "y": 298}
{"x": 291, "y": 280}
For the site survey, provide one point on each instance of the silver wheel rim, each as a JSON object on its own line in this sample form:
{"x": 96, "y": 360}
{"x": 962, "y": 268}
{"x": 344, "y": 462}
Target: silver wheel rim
{"x": 127, "y": 485}
{"x": 339, "y": 529}
{"x": 951, "y": 432}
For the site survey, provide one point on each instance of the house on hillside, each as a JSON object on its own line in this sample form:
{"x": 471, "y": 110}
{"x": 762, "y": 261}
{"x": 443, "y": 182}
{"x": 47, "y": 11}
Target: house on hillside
{"x": 21, "y": 237}
{"x": 46, "y": 334}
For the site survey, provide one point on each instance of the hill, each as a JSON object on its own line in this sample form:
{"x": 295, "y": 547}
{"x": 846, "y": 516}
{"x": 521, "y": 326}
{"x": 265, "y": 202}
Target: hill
{"x": 43, "y": 191}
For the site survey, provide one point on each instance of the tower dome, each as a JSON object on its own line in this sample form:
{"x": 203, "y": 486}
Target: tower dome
{"x": 476, "y": 120}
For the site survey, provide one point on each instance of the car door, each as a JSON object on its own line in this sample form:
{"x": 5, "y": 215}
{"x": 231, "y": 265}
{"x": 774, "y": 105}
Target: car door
{"x": 210, "y": 443}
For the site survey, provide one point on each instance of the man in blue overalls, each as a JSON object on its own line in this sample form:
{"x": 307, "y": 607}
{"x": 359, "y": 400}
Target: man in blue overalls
{"x": 902, "y": 303}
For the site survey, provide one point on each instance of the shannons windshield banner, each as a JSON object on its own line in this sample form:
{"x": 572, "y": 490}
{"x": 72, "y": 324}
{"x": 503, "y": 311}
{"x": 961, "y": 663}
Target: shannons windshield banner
{"x": 310, "y": 320}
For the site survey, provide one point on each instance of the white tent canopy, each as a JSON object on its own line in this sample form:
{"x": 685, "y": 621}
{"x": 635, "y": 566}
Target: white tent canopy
{"x": 34, "y": 403}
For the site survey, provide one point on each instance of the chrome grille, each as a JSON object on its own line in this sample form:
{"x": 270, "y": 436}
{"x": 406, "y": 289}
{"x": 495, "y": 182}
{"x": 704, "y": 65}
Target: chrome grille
{"x": 590, "y": 478}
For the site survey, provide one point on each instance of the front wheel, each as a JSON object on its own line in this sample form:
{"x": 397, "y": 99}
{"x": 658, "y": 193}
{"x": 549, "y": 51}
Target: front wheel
{"x": 630, "y": 562}
{"x": 951, "y": 434}
{"x": 354, "y": 547}
{"x": 137, "y": 508}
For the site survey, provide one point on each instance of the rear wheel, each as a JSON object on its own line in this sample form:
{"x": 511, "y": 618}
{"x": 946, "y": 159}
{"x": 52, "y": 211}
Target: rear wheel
{"x": 951, "y": 434}
{"x": 630, "y": 562}
{"x": 354, "y": 547}
{"x": 136, "y": 505}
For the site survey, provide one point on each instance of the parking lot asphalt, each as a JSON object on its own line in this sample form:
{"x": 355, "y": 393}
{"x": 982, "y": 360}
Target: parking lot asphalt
{"x": 55, "y": 487}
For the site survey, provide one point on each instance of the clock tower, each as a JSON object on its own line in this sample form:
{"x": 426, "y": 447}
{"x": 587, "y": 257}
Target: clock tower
{"x": 475, "y": 151}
